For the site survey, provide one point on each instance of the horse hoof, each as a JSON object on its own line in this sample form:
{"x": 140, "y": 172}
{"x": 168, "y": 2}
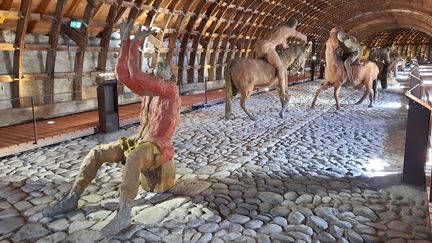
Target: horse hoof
{"x": 282, "y": 115}
{"x": 229, "y": 116}
{"x": 252, "y": 118}
{"x": 357, "y": 103}
{"x": 370, "y": 106}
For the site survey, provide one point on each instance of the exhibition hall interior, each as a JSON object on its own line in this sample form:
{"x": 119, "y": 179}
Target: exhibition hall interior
{"x": 215, "y": 121}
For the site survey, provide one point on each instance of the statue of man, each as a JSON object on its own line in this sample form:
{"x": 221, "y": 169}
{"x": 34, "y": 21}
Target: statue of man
{"x": 266, "y": 48}
{"x": 351, "y": 52}
{"x": 147, "y": 157}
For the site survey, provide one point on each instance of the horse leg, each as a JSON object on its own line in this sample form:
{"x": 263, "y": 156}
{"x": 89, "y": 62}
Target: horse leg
{"x": 371, "y": 95}
{"x": 243, "y": 99}
{"x": 363, "y": 97}
{"x": 374, "y": 87}
{"x": 324, "y": 86}
{"x": 286, "y": 99}
{"x": 336, "y": 95}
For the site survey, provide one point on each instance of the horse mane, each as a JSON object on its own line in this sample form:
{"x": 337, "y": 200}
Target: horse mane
{"x": 290, "y": 55}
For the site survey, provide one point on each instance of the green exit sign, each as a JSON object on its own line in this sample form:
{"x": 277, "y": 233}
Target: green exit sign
{"x": 75, "y": 24}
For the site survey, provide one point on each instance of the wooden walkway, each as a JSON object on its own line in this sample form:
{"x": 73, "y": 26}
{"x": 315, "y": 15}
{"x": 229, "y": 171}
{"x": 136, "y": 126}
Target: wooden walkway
{"x": 19, "y": 138}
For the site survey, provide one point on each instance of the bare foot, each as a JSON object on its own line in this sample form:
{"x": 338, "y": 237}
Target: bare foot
{"x": 67, "y": 204}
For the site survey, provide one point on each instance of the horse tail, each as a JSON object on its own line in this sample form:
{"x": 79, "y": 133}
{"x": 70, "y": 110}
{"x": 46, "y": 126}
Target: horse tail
{"x": 230, "y": 89}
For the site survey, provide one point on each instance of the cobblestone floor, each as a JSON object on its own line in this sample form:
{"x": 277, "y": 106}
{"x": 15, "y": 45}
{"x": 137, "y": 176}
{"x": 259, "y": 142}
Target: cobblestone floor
{"x": 316, "y": 176}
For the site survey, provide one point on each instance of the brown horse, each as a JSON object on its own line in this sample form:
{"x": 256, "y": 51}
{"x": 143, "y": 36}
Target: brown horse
{"x": 242, "y": 75}
{"x": 365, "y": 73}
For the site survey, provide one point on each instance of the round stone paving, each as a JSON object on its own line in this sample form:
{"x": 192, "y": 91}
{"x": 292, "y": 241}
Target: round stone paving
{"x": 316, "y": 176}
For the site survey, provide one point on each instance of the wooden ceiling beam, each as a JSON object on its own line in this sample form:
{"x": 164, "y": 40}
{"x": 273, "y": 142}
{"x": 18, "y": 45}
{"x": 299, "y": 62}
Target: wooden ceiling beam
{"x": 43, "y": 5}
{"x": 74, "y": 35}
{"x": 18, "y": 61}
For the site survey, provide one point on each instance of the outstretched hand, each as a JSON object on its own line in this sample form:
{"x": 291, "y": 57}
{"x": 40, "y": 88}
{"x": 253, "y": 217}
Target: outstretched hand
{"x": 142, "y": 34}
{"x": 125, "y": 29}
{"x": 304, "y": 38}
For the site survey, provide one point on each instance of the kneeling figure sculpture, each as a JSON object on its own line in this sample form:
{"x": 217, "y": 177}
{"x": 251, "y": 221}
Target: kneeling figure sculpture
{"x": 147, "y": 157}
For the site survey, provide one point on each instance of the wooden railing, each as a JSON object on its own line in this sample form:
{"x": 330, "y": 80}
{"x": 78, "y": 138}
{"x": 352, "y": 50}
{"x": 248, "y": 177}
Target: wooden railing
{"x": 417, "y": 141}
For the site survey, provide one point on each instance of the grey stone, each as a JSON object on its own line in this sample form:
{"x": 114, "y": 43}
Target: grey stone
{"x": 365, "y": 212}
{"x": 299, "y": 236}
{"x": 326, "y": 237}
{"x": 237, "y": 218}
{"x": 296, "y": 218}
{"x": 270, "y": 229}
{"x": 208, "y": 228}
{"x": 291, "y": 196}
{"x": 80, "y": 225}
{"x": 301, "y": 228}
{"x": 323, "y": 212}
{"x": 336, "y": 231}
{"x": 30, "y": 232}
{"x": 151, "y": 215}
{"x": 58, "y": 225}
{"x": 282, "y": 238}
{"x": 84, "y": 236}
{"x": 270, "y": 197}
{"x": 54, "y": 238}
{"x": 263, "y": 239}
{"x": 8, "y": 225}
{"x": 400, "y": 226}
{"x": 280, "y": 221}
{"x": 363, "y": 229}
{"x": 353, "y": 236}
{"x": 317, "y": 223}
{"x": 303, "y": 199}
{"x": 190, "y": 187}
{"x": 254, "y": 224}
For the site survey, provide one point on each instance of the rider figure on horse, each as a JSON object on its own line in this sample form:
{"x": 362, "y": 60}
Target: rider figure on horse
{"x": 350, "y": 51}
{"x": 266, "y": 48}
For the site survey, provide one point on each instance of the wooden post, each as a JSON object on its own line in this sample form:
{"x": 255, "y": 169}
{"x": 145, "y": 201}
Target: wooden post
{"x": 52, "y": 53}
{"x": 79, "y": 56}
{"x": 18, "y": 61}
{"x": 106, "y": 38}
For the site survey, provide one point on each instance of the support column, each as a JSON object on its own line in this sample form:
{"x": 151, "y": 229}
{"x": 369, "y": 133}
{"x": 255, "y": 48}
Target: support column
{"x": 52, "y": 53}
{"x": 18, "y": 61}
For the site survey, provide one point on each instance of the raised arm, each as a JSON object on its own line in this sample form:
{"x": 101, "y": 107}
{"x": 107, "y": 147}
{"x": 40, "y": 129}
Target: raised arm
{"x": 294, "y": 33}
{"x": 147, "y": 82}
{"x": 121, "y": 69}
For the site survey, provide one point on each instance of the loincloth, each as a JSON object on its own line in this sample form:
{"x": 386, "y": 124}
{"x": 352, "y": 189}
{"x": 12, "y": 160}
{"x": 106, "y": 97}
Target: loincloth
{"x": 128, "y": 145}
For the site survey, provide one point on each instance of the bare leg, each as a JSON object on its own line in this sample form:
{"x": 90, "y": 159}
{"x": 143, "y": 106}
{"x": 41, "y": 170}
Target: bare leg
{"x": 141, "y": 159}
{"x": 336, "y": 95}
{"x": 274, "y": 59}
{"x": 324, "y": 86}
{"x": 112, "y": 153}
{"x": 347, "y": 64}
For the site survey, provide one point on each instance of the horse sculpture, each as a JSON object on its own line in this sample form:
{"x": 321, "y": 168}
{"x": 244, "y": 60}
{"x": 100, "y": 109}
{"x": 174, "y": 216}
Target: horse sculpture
{"x": 242, "y": 75}
{"x": 335, "y": 75}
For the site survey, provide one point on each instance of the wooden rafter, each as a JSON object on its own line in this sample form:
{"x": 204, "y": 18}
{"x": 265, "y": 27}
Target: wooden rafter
{"x": 18, "y": 63}
{"x": 40, "y": 10}
{"x": 52, "y": 52}
{"x": 185, "y": 41}
{"x": 6, "y": 4}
